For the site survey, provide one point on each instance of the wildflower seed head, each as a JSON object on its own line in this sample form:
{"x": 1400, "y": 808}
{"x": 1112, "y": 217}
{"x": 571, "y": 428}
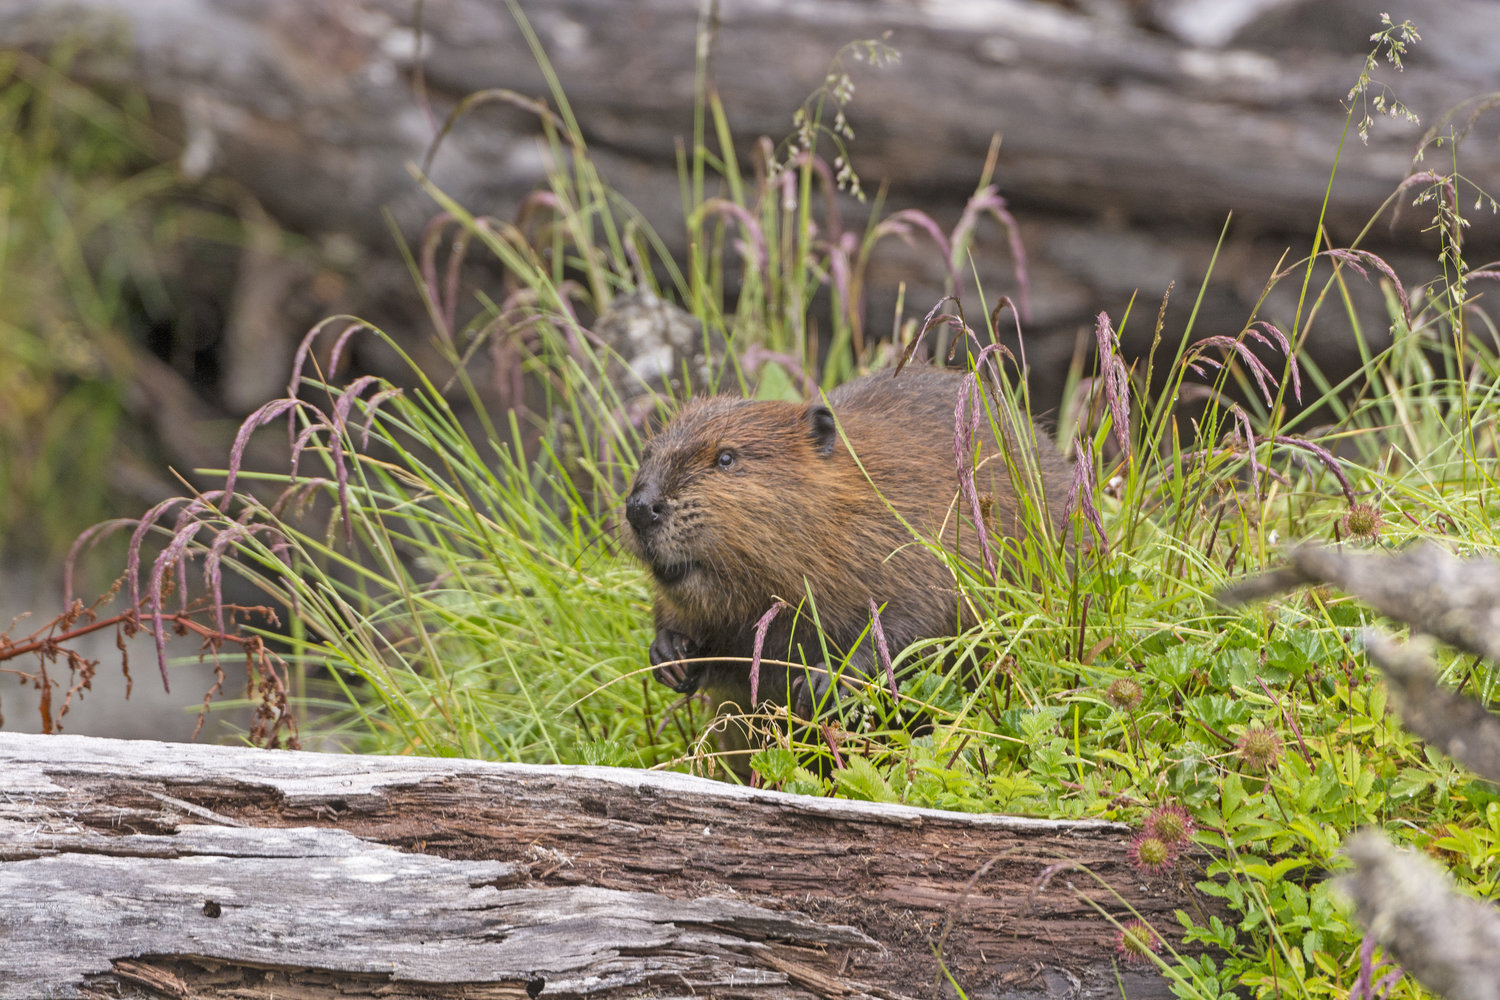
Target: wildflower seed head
{"x": 1170, "y": 824}
{"x": 1124, "y": 693}
{"x": 1137, "y": 941}
{"x": 1151, "y": 855}
{"x": 1259, "y": 749}
{"x": 1361, "y": 520}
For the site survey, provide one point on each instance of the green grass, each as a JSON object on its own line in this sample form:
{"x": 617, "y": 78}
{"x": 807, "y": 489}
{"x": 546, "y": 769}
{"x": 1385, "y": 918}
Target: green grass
{"x": 59, "y": 333}
{"x": 91, "y": 205}
{"x": 454, "y": 589}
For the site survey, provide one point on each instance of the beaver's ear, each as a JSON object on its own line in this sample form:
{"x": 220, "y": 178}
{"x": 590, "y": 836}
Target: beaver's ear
{"x": 825, "y": 434}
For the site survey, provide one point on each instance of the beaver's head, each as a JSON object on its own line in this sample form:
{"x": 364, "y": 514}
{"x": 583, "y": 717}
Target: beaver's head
{"x": 733, "y": 502}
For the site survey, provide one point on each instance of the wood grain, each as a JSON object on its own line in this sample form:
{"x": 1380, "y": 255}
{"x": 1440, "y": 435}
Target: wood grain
{"x": 149, "y": 869}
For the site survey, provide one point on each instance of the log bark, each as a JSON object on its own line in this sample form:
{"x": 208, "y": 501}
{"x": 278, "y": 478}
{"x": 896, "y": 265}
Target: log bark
{"x": 143, "y": 869}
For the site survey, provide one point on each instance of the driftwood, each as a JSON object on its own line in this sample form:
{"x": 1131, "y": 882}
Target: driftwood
{"x": 1131, "y": 130}
{"x": 1449, "y": 941}
{"x": 143, "y": 869}
{"x": 1101, "y": 110}
{"x": 1456, "y": 600}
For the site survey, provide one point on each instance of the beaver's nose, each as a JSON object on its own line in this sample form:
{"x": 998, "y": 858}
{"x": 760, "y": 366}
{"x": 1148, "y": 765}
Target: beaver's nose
{"x": 644, "y": 510}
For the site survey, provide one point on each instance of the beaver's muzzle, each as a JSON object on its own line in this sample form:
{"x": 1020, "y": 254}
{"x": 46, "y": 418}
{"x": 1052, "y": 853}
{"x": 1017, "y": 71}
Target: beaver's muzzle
{"x": 644, "y": 510}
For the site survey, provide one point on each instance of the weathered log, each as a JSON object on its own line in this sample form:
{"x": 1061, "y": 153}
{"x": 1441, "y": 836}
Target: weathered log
{"x": 1446, "y": 940}
{"x": 1100, "y": 111}
{"x": 143, "y": 869}
{"x": 1131, "y": 130}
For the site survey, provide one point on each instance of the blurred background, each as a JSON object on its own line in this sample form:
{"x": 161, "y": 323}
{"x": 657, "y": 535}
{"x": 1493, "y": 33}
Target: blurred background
{"x": 187, "y": 187}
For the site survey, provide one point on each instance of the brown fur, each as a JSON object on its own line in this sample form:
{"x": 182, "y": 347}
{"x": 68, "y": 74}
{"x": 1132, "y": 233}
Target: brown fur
{"x": 793, "y": 513}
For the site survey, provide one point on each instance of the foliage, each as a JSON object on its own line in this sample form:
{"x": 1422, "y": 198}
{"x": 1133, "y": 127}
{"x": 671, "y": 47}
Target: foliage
{"x": 84, "y": 219}
{"x": 460, "y": 589}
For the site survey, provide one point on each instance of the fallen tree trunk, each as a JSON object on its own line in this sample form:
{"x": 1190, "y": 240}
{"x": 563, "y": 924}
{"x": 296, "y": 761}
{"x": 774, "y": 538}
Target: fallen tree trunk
{"x": 143, "y": 869}
{"x": 1131, "y": 132}
{"x": 1103, "y": 109}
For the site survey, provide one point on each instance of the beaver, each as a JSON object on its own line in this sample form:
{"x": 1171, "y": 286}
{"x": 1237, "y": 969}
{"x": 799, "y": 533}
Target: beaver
{"x": 738, "y": 503}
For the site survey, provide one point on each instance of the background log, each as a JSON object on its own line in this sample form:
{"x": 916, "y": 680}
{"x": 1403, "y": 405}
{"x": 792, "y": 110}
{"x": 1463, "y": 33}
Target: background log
{"x": 144, "y": 869}
{"x": 1131, "y": 131}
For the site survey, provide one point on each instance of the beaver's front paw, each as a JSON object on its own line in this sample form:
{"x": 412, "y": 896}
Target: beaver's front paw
{"x": 668, "y": 650}
{"x": 813, "y": 692}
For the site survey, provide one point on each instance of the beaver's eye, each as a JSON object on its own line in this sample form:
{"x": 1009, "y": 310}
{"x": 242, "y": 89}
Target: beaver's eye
{"x": 726, "y": 458}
